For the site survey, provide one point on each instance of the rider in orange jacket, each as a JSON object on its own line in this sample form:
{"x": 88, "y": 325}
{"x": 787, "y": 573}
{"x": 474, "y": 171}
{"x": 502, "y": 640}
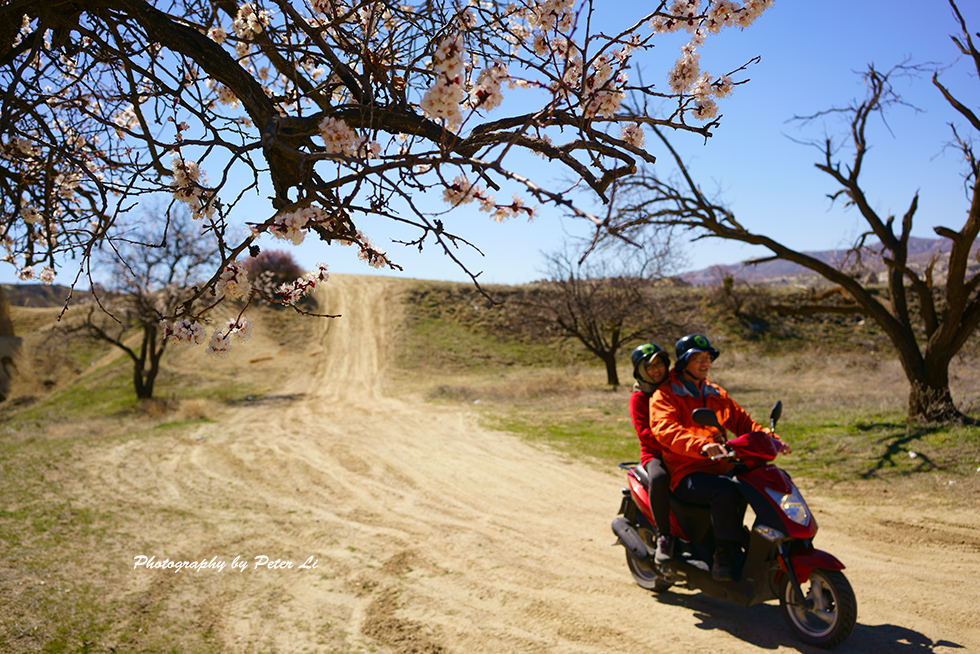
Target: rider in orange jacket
{"x": 688, "y": 447}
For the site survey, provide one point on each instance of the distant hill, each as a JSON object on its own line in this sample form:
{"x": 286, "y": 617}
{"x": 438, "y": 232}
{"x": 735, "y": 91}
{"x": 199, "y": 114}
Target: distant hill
{"x": 40, "y": 295}
{"x": 921, "y": 252}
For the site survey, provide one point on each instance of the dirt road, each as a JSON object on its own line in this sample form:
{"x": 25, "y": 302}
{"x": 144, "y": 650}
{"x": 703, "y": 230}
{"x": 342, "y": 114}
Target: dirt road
{"x": 432, "y": 534}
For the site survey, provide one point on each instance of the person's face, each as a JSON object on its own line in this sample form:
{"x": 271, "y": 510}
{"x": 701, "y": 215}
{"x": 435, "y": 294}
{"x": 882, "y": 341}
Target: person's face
{"x": 698, "y": 365}
{"x": 656, "y": 370}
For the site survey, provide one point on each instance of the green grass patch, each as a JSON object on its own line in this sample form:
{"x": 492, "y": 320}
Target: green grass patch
{"x": 451, "y": 326}
{"x": 61, "y": 588}
{"x": 435, "y": 343}
{"x": 584, "y": 438}
{"x": 884, "y": 447}
{"x": 45, "y": 539}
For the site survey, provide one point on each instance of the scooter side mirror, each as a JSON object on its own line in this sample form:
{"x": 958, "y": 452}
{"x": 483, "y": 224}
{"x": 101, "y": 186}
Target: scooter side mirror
{"x": 777, "y": 411}
{"x": 705, "y": 418}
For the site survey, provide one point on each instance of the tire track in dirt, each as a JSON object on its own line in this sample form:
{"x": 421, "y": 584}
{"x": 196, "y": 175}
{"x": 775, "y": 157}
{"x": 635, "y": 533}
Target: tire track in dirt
{"x": 436, "y": 535}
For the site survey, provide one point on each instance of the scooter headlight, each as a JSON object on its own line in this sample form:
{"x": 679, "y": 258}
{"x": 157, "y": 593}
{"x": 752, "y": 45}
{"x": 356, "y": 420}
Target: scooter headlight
{"x": 792, "y": 505}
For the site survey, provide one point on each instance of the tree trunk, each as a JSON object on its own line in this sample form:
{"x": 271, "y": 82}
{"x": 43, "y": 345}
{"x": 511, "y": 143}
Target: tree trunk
{"x": 930, "y": 399}
{"x": 932, "y": 404}
{"x": 143, "y": 388}
{"x": 929, "y": 396}
{"x": 143, "y": 376}
{"x": 612, "y": 376}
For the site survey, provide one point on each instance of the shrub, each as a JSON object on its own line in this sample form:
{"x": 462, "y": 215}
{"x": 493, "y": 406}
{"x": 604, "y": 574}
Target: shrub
{"x": 270, "y": 269}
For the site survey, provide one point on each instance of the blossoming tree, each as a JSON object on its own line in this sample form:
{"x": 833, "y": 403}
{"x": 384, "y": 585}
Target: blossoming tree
{"x": 334, "y": 111}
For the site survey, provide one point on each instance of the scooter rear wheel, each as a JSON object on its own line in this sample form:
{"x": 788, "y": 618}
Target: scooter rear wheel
{"x": 834, "y": 608}
{"x": 644, "y": 572}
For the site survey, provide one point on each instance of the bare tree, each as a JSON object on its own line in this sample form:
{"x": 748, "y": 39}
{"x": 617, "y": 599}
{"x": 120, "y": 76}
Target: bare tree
{"x": 151, "y": 273}
{"x": 589, "y": 302}
{"x": 333, "y": 110}
{"x": 928, "y": 314}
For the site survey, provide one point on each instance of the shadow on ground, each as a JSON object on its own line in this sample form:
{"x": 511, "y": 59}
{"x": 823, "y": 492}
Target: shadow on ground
{"x": 896, "y": 442}
{"x": 763, "y": 626}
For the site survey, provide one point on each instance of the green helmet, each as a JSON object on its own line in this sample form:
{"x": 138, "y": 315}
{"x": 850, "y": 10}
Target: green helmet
{"x": 643, "y": 355}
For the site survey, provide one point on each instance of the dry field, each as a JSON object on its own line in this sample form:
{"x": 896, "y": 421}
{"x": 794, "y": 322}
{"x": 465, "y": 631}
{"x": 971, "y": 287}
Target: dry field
{"x": 429, "y": 531}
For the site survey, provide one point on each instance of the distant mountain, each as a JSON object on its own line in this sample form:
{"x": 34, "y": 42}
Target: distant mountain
{"x": 38, "y": 295}
{"x": 921, "y": 252}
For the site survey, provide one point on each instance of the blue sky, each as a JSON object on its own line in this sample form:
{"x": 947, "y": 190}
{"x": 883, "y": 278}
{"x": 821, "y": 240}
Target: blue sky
{"x": 810, "y": 55}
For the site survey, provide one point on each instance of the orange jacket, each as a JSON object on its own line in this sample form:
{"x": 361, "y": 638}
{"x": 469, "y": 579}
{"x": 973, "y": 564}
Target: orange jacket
{"x": 670, "y": 421}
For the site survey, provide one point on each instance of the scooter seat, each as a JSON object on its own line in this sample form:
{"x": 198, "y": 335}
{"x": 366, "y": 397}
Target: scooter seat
{"x": 687, "y": 505}
{"x": 642, "y": 475}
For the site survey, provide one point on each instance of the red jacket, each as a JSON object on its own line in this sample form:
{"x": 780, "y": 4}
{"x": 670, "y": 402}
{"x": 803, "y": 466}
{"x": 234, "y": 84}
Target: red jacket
{"x": 650, "y": 448}
{"x": 682, "y": 440}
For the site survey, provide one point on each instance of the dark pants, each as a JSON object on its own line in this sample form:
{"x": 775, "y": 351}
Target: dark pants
{"x": 659, "y": 492}
{"x": 718, "y": 492}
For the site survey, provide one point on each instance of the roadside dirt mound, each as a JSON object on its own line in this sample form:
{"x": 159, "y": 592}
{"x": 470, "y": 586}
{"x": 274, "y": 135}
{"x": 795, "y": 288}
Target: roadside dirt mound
{"x": 431, "y": 534}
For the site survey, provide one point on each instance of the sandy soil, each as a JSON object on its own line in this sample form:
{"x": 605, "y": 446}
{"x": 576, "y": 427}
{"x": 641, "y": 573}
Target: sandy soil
{"x": 432, "y": 534}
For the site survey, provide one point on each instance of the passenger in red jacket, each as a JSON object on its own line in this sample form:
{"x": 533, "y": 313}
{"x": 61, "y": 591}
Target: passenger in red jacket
{"x": 650, "y": 366}
{"x": 688, "y": 447}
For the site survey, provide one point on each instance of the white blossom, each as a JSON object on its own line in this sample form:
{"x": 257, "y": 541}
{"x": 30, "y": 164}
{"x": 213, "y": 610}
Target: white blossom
{"x": 219, "y": 346}
{"x": 233, "y": 283}
{"x": 442, "y": 100}
{"x": 217, "y": 34}
{"x": 240, "y": 328}
{"x": 338, "y": 138}
{"x": 632, "y": 133}
{"x": 184, "y": 332}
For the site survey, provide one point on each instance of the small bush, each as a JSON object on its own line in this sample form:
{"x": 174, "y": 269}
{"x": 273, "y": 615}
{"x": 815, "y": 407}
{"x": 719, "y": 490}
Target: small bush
{"x": 270, "y": 269}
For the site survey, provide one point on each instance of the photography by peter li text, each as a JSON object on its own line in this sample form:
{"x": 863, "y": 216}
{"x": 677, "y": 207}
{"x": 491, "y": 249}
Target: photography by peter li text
{"x": 218, "y": 565}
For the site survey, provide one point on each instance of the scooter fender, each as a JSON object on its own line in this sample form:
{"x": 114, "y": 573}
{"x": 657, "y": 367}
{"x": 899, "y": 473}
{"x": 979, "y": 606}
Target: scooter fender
{"x": 805, "y": 560}
{"x": 640, "y": 497}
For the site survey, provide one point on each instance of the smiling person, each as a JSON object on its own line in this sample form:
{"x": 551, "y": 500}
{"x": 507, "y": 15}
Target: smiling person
{"x": 688, "y": 447}
{"x": 650, "y": 366}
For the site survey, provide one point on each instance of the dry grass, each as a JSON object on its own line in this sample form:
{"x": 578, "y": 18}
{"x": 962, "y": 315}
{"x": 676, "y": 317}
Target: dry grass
{"x": 196, "y": 408}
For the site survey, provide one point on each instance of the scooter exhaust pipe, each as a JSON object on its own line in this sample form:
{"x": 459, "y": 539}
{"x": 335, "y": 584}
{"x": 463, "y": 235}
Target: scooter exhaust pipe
{"x": 629, "y": 538}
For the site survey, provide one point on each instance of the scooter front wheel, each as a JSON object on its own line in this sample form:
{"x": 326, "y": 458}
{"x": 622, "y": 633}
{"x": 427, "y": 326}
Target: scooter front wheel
{"x": 644, "y": 572}
{"x": 825, "y": 617}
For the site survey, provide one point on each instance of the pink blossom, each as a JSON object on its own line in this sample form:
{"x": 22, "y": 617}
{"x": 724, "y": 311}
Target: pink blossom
{"x": 293, "y": 292}
{"x": 632, "y": 133}
{"x": 338, "y": 138}
{"x": 226, "y": 97}
{"x": 486, "y": 94}
{"x": 233, "y": 283}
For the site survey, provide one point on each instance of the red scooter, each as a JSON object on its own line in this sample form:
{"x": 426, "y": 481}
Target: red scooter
{"x": 778, "y": 560}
